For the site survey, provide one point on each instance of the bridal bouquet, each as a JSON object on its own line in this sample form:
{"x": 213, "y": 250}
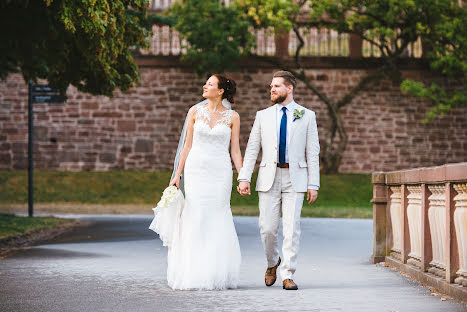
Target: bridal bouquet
{"x": 168, "y": 197}
{"x": 167, "y": 214}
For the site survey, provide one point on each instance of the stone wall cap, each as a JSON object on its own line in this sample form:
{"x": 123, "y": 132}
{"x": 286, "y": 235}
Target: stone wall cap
{"x": 378, "y": 177}
{"x": 439, "y": 174}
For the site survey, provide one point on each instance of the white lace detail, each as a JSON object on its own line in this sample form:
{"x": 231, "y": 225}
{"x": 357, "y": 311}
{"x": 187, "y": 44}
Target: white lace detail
{"x": 227, "y": 118}
{"x": 223, "y": 117}
{"x": 202, "y": 113}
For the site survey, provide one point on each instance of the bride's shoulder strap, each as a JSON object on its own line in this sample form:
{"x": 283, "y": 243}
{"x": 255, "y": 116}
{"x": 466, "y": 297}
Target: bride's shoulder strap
{"x": 226, "y": 117}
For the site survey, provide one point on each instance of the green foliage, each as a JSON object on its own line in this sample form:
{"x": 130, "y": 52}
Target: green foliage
{"x": 394, "y": 25}
{"x": 217, "y": 35}
{"x": 84, "y": 43}
{"x": 390, "y": 25}
{"x": 445, "y": 36}
{"x": 279, "y": 14}
{"x": 443, "y": 101}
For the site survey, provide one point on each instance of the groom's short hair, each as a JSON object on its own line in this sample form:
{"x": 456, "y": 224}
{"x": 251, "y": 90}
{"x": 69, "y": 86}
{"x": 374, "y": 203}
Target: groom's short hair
{"x": 289, "y": 78}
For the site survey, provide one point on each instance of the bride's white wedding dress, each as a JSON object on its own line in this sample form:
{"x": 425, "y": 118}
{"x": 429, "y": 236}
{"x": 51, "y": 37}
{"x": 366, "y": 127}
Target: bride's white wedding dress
{"x": 204, "y": 252}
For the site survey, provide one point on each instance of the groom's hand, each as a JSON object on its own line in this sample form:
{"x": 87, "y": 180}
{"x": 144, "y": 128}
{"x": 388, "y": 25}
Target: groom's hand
{"x": 244, "y": 188}
{"x": 311, "y": 196}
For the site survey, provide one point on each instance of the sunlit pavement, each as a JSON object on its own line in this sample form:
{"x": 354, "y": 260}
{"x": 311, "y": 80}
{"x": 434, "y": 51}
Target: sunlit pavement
{"x": 117, "y": 264}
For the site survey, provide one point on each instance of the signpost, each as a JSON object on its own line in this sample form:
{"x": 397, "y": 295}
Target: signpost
{"x": 37, "y": 94}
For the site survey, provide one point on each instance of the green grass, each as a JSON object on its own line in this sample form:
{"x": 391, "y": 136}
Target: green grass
{"x": 342, "y": 195}
{"x": 13, "y": 225}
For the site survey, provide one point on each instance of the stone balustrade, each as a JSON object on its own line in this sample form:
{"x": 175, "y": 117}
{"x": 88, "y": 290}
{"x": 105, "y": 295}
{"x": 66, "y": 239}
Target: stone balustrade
{"x": 420, "y": 225}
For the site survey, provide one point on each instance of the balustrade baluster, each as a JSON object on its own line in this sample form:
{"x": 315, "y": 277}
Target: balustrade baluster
{"x": 425, "y": 239}
{"x": 405, "y": 243}
{"x": 452, "y": 261}
{"x": 319, "y": 42}
{"x": 170, "y": 40}
{"x": 339, "y": 51}
{"x": 437, "y": 220}
{"x": 414, "y": 216}
{"x": 460, "y": 222}
{"x": 395, "y": 214}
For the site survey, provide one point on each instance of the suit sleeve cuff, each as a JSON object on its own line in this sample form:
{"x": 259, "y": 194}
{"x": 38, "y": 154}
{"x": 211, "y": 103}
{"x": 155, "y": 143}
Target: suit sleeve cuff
{"x": 313, "y": 187}
{"x": 243, "y": 180}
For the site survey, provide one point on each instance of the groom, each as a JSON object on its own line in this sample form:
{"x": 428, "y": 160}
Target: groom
{"x": 288, "y": 137}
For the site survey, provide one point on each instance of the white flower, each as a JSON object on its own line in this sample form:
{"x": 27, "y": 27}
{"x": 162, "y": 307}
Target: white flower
{"x": 168, "y": 196}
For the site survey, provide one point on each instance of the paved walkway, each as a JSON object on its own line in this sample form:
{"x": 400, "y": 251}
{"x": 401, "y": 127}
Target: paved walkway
{"x": 119, "y": 265}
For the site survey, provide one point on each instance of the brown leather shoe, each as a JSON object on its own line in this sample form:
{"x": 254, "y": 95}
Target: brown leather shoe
{"x": 270, "y": 276}
{"x": 289, "y": 284}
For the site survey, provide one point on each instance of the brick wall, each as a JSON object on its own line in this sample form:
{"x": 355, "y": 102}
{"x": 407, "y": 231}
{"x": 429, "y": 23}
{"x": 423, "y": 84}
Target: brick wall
{"x": 140, "y": 129}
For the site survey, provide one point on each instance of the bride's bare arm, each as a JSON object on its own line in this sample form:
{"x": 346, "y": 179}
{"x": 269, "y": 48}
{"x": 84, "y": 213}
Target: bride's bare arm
{"x": 186, "y": 147}
{"x": 235, "y": 151}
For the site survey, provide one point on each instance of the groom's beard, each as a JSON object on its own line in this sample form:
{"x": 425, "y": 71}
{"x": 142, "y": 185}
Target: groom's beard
{"x": 275, "y": 98}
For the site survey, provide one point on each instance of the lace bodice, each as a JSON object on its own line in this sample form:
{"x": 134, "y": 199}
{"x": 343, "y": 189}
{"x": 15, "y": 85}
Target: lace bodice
{"x": 212, "y": 130}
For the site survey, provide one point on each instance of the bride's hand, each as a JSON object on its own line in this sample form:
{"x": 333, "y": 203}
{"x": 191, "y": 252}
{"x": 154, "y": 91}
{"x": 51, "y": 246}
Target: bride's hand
{"x": 176, "y": 182}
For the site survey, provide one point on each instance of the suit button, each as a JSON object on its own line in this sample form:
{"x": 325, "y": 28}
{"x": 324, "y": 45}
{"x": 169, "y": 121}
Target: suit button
{"x": 275, "y": 163}
{"x": 275, "y": 147}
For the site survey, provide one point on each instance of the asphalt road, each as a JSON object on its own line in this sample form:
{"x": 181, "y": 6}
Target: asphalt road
{"x": 117, "y": 264}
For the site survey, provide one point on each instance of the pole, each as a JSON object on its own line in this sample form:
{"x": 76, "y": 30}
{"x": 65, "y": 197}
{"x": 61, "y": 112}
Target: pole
{"x": 30, "y": 152}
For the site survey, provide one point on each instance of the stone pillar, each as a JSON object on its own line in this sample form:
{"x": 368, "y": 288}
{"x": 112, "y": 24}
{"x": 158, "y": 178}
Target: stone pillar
{"x": 355, "y": 46}
{"x": 281, "y": 39}
{"x": 380, "y": 201}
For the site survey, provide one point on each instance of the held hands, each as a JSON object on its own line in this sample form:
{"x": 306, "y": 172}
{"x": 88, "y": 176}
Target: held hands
{"x": 311, "y": 196}
{"x": 244, "y": 188}
{"x": 176, "y": 182}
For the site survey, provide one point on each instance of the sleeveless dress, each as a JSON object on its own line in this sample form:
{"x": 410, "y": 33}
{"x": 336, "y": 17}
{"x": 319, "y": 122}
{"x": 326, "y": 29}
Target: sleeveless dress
{"x": 205, "y": 253}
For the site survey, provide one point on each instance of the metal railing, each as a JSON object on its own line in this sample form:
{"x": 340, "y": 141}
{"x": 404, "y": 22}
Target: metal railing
{"x": 317, "y": 42}
{"x": 161, "y": 5}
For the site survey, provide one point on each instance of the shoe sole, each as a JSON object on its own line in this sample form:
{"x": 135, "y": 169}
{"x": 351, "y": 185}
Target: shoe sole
{"x": 292, "y": 288}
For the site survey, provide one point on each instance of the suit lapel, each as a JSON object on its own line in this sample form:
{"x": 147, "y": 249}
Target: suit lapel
{"x": 294, "y": 123}
{"x": 272, "y": 115}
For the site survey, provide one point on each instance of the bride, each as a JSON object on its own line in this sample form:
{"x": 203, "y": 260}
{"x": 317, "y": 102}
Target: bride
{"x": 204, "y": 252}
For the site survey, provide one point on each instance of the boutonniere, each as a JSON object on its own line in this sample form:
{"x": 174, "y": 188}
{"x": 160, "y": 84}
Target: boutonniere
{"x": 298, "y": 114}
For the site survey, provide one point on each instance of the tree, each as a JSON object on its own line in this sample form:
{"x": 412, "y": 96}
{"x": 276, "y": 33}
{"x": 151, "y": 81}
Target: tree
{"x": 85, "y": 43}
{"x": 217, "y": 34}
{"x": 446, "y": 42}
{"x": 394, "y": 24}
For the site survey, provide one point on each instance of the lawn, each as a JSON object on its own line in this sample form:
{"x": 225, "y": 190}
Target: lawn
{"x": 13, "y": 225}
{"x": 342, "y": 195}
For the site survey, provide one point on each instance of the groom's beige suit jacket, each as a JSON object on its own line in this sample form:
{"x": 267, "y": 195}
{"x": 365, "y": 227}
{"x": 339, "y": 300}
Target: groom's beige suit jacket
{"x": 303, "y": 150}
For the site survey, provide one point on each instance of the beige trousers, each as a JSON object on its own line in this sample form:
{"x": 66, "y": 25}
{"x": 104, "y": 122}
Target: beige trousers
{"x": 281, "y": 196}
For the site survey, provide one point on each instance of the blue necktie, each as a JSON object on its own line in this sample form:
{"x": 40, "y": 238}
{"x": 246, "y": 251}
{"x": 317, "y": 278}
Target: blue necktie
{"x": 283, "y": 136}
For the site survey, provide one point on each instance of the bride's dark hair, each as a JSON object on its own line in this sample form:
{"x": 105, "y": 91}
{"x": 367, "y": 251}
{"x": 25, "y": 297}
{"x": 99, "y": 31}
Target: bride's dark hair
{"x": 229, "y": 86}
